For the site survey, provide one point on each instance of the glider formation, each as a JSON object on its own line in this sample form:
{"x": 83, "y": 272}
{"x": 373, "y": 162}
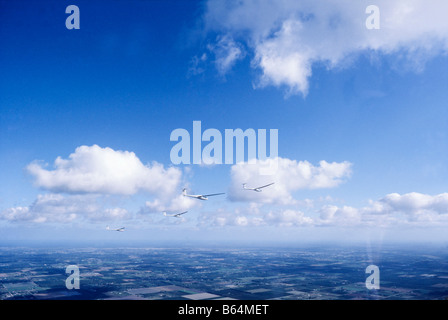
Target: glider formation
{"x": 197, "y": 196}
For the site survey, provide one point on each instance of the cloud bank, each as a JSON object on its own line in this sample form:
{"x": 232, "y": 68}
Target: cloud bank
{"x": 410, "y": 209}
{"x": 394, "y": 210}
{"x": 57, "y": 208}
{"x": 81, "y": 189}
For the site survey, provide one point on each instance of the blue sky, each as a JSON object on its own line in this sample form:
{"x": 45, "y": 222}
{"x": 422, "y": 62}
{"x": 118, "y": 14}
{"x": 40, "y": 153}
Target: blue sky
{"x": 104, "y": 99}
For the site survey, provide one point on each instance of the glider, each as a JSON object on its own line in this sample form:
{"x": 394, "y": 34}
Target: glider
{"x": 177, "y": 215}
{"x": 257, "y": 189}
{"x": 199, "y": 196}
{"x": 118, "y": 229}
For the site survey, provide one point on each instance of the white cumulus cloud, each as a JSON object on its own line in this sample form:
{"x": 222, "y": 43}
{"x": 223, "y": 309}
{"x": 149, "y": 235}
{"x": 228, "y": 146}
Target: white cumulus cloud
{"x": 286, "y": 38}
{"x": 92, "y": 169}
{"x": 288, "y": 176}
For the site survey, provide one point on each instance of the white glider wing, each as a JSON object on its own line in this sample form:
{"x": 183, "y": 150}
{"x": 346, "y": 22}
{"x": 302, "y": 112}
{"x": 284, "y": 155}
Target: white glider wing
{"x": 211, "y": 195}
{"x": 270, "y": 184}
